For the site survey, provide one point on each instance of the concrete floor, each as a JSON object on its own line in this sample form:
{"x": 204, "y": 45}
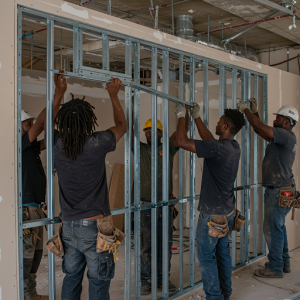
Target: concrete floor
{"x": 245, "y": 286}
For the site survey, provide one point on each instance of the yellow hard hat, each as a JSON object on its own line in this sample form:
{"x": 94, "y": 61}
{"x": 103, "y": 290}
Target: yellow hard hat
{"x": 148, "y": 124}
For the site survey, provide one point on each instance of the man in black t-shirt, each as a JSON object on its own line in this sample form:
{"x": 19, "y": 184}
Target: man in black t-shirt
{"x": 34, "y": 190}
{"x": 221, "y": 161}
{"x": 79, "y": 158}
{"x": 276, "y": 173}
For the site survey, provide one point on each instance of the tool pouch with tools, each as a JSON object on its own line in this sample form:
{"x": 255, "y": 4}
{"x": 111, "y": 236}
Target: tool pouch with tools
{"x": 54, "y": 244}
{"x": 285, "y": 201}
{"x": 239, "y": 221}
{"x": 109, "y": 237}
{"x": 218, "y": 226}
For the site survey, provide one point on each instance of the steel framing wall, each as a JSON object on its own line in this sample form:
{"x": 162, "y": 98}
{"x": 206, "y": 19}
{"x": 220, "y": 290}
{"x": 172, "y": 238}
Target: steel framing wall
{"x": 132, "y": 83}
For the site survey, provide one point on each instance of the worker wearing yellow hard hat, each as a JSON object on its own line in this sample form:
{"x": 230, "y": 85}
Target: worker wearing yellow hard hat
{"x": 145, "y": 194}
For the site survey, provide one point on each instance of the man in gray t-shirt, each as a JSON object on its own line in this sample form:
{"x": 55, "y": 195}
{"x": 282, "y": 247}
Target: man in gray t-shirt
{"x": 276, "y": 173}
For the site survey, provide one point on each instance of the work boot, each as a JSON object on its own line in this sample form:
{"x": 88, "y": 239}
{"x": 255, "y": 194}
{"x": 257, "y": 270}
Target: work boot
{"x": 172, "y": 287}
{"x": 266, "y": 273}
{"x": 285, "y": 270}
{"x": 38, "y": 297}
{"x": 145, "y": 289}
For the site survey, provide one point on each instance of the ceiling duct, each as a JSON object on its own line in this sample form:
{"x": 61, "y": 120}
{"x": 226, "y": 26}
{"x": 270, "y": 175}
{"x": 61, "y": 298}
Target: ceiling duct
{"x": 184, "y": 29}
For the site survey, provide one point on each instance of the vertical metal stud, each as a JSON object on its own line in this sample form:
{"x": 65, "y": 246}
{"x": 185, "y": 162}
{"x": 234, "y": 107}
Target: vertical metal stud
{"x": 49, "y": 143}
{"x": 265, "y": 120}
{"x": 243, "y": 179}
{"x": 137, "y": 213}
{"x": 192, "y": 181}
{"x": 205, "y": 94}
{"x": 165, "y": 192}
{"x": 234, "y": 102}
{"x": 127, "y": 204}
{"x": 255, "y": 200}
{"x": 181, "y": 184}
{"x": 105, "y": 52}
{"x": 221, "y": 90}
{"x": 75, "y": 50}
{"x": 19, "y": 153}
{"x": 154, "y": 175}
{"x": 61, "y": 60}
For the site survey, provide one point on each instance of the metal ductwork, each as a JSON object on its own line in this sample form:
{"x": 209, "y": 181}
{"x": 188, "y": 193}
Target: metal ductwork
{"x": 184, "y": 29}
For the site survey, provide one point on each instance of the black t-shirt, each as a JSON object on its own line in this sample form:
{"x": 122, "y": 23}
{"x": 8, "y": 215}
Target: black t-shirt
{"x": 221, "y": 162}
{"x": 279, "y": 159}
{"x": 83, "y": 189}
{"x": 33, "y": 175}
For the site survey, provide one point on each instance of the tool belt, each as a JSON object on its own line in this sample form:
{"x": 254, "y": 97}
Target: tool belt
{"x": 218, "y": 225}
{"x": 55, "y": 245}
{"x": 285, "y": 201}
{"x": 109, "y": 237}
{"x": 239, "y": 221}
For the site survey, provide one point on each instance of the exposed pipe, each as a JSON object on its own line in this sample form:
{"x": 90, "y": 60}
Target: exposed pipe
{"x": 285, "y": 61}
{"x": 153, "y": 8}
{"x": 248, "y": 28}
{"x": 33, "y": 32}
{"x": 249, "y": 23}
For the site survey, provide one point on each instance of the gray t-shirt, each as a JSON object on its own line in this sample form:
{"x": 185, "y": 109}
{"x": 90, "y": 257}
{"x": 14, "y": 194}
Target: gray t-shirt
{"x": 221, "y": 163}
{"x": 279, "y": 159}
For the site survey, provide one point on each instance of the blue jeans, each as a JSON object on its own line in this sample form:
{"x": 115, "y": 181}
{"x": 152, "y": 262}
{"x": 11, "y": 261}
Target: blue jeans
{"x": 275, "y": 231}
{"x": 80, "y": 251}
{"x": 214, "y": 260}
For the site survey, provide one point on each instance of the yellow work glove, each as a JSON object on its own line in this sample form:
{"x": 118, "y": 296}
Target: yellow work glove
{"x": 241, "y": 106}
{"x": 180, "y": 111}
{"x": 253, "y": 105}
{"x": 195, "y": 111}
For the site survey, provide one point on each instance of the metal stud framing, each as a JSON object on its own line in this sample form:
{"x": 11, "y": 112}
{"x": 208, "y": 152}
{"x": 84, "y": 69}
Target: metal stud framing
{"x": 132, "y": 83}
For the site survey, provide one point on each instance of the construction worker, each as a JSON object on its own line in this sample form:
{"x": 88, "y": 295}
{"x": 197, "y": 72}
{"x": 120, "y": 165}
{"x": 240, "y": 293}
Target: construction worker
{"x": 34, "y": 190}
{"x": 145, "y": 194}
{"x": 277, "y": 175}
{"x": 217, "y": 200}
{"x": 79, "y": 158}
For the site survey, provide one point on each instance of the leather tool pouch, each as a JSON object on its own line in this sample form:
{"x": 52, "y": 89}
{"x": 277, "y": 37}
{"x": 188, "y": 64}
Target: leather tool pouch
{"x": 218, "y": 226}
{"x": 285, "y": 201}
{"x": 54, "y": 244}
{"x": 109, "y": 237}
{"x": 239, "y": 221}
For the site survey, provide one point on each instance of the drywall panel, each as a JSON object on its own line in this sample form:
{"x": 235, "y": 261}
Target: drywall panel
{"x": 8, "y": 207}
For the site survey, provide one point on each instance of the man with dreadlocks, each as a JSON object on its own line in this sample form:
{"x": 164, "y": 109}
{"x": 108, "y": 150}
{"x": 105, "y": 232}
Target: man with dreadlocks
{"x": 34, "y": 189}
{"x": 217, "y": 201}
{"x": 79, "y": 158}
{"x": 277, "y": 177}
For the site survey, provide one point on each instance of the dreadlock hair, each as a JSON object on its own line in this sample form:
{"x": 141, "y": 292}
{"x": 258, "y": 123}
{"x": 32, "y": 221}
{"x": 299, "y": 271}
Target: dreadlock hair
{"x": 75, "y": 120}
{"x": 234, "y": 119}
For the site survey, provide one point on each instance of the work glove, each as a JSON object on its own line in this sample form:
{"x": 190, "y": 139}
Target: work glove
{"x": 241, "y": 106}
{"x": 195, "y": 111}
{"x": 180, "y": 111}
{"x": 253, "y": 105}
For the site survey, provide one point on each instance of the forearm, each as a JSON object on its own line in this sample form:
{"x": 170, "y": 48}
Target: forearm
{"x": 58, "y": 96}
{"x": 119, "y": 116}
{"x": 204, "y": 133}
{"x": 181, "y": 134}
{"x": 253, "y": 119}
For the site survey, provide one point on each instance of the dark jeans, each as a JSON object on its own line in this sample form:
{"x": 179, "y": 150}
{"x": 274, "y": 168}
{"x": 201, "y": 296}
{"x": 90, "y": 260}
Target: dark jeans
{"x": 214, "y": 260}
{"x": 80, "y": 251}
{"x": 275, "y": 231}
{"x": 146, "y": 244}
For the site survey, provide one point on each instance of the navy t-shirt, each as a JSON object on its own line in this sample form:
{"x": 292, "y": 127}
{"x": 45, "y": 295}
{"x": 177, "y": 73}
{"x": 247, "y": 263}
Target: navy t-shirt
{"x": 279, "y": 159}
{"x": 33, "y": 175}
{"x": 221, "y": 163}
{"x": 83, "y": 189}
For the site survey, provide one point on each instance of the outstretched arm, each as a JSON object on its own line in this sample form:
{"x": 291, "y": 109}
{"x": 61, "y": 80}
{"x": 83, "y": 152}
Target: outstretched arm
{"x": 119, "y": 117}
{"x": 181, "y": 134}
{"x": 40, "y": 123}
{"x": 187, "y": 128}
{"x": 259, "y": 127}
